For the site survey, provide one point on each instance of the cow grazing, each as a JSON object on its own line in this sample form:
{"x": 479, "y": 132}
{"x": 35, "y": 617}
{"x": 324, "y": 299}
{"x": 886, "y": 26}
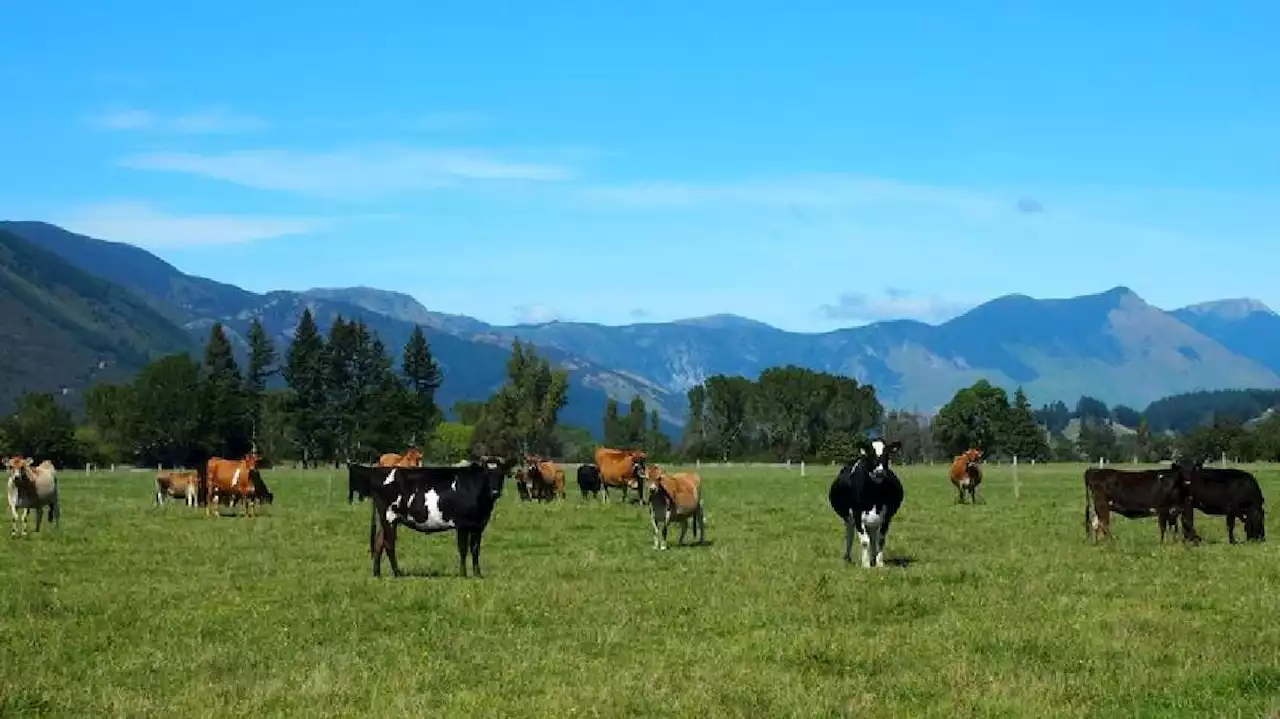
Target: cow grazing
{"x": 675, "y": 497}
{"x": 1130, "y": 493}
{"x": 966, "y": 475}
{"x": 1231, "y": 492}
{"x": 180, "y": 485}
{"x": 589, "y": 479}
{"x": 866, "y": 495}
{"x": 544, "y": 478}
{"x": 233, "y": 478}
{"x": 412, "y": 457}
{"x": 430, "y": 500}
{"x": 32, "y": 486}
{"x": 623, "y": 469}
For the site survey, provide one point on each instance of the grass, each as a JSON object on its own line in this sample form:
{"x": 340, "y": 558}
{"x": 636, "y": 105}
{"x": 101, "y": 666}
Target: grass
{"x": 1002, "y": 610}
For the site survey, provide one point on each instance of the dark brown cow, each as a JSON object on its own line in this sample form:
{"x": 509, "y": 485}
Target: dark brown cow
{"x": 1230, "y": 492}
{"x": 1130, "y": 493}
{"x": 621, "y": 469}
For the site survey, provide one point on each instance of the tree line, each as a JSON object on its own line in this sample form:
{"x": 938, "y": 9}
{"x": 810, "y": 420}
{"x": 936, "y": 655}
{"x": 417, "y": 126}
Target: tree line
{"x": 338, "y": 396}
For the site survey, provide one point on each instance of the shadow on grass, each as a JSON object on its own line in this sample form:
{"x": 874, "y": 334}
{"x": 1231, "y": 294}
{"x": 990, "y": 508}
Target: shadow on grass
{"x": 902, "y": 562}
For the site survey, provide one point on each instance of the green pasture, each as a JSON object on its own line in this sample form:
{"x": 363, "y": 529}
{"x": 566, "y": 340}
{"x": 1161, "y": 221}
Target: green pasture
{"x": 999, "y": 609}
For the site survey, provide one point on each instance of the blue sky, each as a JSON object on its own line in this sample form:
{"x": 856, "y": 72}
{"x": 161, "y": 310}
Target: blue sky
{"x": 809, "y": 164}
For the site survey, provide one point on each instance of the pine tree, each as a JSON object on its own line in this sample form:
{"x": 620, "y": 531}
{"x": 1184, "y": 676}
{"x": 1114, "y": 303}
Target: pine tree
{"x": 1023, "y": 437}
{"x": 612, "y": 424}
{"x": 224, "y": 405}
{"x": 262, "y": 365}
{"x": 304, "y": 371}
{"x": 634, "y": 424}
{"x": 423, "y": 376}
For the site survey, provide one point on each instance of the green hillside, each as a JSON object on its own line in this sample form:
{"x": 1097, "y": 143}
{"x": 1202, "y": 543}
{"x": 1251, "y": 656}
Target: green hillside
{"x": 61, "y": 327}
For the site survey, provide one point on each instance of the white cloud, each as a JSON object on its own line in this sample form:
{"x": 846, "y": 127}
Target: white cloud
{"x": 893, "y": 304}
{"x": 214, "y": 120}
{"x": 139, "y": 223}
{"x": 796, "y": 192}
{"x": 534, "y": 314}
{"x": 364, "y": 171}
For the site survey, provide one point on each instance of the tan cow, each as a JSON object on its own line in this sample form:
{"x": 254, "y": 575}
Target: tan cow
{"x": 966, "y": 474}
{"x": 32, "y": 487}
{"x": 412, "y": 457}
{"x": 621, "y": 468}
{"x": 543, "y": 478}
{"x": 675, "y": 497}
{"x": 183, "y": 484}
{"x": 233, "y": 478}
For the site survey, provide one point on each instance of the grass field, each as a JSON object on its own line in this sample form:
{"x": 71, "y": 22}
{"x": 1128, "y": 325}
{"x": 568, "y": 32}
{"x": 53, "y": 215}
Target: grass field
{"x": 1001, "y": 610}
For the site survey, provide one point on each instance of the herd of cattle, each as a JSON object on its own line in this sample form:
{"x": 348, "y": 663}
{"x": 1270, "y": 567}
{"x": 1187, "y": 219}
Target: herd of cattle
{"x": 866, "y": 495}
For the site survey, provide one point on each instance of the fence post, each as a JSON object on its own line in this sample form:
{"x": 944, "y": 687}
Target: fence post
{"x": 1016, "y": 488}
{"x": 698, "y": 464}
{"x": 802, "y": 468}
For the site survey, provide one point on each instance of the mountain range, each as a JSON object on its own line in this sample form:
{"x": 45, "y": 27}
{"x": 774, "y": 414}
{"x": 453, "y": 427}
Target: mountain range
{"x": 74, "y": 309}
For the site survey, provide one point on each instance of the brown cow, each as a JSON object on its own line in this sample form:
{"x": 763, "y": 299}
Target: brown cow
{"x": 412, "y": 457}
{"x": 675, "y": 497}
{"x": 544, "y": 478}
{"x": 233, "y": 477}
{"x": 31, "y": 486}
{"x": 180, "y": 484}
{"x": 621, "y": 468}
{"x": 966, "y": 474}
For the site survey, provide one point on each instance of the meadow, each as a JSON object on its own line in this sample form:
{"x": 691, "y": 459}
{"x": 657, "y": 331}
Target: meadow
{"x": 999, "y": 609}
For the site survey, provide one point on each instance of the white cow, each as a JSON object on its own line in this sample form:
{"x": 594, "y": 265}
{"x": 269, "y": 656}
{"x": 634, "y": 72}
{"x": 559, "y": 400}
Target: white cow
{"x": 31, "y": 487}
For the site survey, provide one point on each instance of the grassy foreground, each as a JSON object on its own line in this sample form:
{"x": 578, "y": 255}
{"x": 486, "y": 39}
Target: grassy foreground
{"x": 1002, "y": 610}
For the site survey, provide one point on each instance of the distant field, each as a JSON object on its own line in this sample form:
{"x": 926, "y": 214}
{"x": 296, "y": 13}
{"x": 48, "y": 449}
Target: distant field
{"x": 1002, "y": 610}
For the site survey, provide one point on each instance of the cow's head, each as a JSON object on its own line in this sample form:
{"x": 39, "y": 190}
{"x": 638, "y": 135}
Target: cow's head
{"x": 15, "y": 467}
{"x": 876, "y": 455}
{"x": 972, "y": 456}
{"x": 495, "y": 470}
{"x": 639, "y": 460}
{"x": 413, "y": 456}
{"x": 251, "y": 461}
{"x": 653, "y": 477}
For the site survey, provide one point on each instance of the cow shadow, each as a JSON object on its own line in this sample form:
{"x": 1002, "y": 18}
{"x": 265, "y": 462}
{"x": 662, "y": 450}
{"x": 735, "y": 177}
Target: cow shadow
{"x": 901, "y": 562}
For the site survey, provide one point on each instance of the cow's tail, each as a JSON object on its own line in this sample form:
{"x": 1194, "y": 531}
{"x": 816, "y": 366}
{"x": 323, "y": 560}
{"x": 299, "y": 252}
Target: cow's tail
{"x": 202, "y": 482}
{"x": 1088, "y": 507}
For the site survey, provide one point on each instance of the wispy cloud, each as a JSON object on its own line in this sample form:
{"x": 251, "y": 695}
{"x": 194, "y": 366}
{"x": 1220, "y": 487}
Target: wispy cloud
{"x": 141, "y": 224}
{"x": 208, "y": 121}
{"x": 893, "y": 304}
{"x": 534, "y": 314}
{"x": 1029, "y": 206}
{"x": 794, "y": 193}
{"x": 350, "y": 173}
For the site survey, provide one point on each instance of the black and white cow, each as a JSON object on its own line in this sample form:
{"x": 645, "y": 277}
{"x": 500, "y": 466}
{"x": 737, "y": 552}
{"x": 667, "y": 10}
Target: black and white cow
{"x": 589, "y": 480}
{"x": 865, "y": 495}
{"x": 431, "y": 500}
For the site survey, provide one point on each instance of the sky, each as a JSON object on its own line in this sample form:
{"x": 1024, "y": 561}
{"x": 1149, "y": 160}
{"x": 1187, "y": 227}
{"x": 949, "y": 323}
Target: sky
{"x": 809, "y": 164}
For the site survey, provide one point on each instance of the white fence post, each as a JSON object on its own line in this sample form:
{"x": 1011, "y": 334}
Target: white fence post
{"x": 802, "y": 468}
{"x": 1016, "y": 489}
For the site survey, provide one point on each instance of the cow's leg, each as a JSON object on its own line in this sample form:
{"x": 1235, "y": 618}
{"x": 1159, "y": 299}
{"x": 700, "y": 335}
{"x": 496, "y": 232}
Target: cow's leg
{"x": 848, "y": 537}
{"x": 666, "y": 523}
{"x": 1231, "y": 527}
{"x": 476, "y": 534}
{"x": 463, "y": 543}
{"x": 376, "y": 545}
{"x": 702, "y": 524}
{"x": 389, "y": 540}
{"x": 884, "y": 540}
{"x": 159, "y": 493}
{"x": 684, "y": 529}
{"x": 40, "y": 517}
{"x": 653, "y": 521}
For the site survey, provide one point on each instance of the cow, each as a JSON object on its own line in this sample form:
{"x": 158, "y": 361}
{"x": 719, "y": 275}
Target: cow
{"x": 675, "y": 497}
{"x": 544, "y": 478}
{"x": 1130, "y": 493}
{"x": 430, "y": 500}
{"x": 178, "y": 484}
{"x": 589, "y": 479}
{"x": 1231, "y": 492}
{"x": 32, "y": 486}
{"x": 966, "y": 474}
{"x": 412, "y": 457}
{"x": 621, "y": 468}
{"x": 866, "y": 495}
{"x": 233, "y": 478}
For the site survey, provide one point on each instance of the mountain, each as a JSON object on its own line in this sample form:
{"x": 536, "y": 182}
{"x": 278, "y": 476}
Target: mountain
{"x": 472, "y": 358}
{"x": 1245, "y": 326}
{"x": 1111, "y": 345}
{"x": 61, "y": 327}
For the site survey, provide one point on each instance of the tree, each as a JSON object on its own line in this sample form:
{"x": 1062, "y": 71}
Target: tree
{"x": 262, "y": 366}
{"x": 614, "y": 431}
{"x": 635, "y": 424}
{"x": 694, "y": 440}
{"x": 1091, "y": 409}
{"x": 1055, "y": 417}
{"x": 1126, "y": 416}
{"x": 975, "y": 417}
{"x": 521, "y": 417}
{"x": 1098, "y": 440}
{"x": 1023, "y": 437}
{"x": 656, "y": 444}
{"x": 41, "y": 429}
{"x": 728, "y": 403}
{"x": 304, "y": 371}
{"x": 451, "y": 442}
{"x": 224, "y": 405}
{"x": 468, "y": 411}
{"x": 423, "y": 376}
{"x": 111, "y": 413}
{"x": 168, "y": 425}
